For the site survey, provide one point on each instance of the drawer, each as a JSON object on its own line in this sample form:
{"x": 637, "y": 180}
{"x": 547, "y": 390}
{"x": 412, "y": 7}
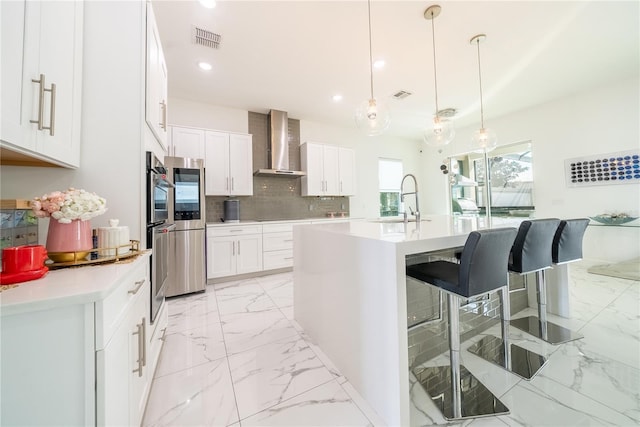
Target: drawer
{"x": 277, "y": 228}
{"x": 277, "y": 259}
{"x": 238, "y": 230}
{"x": 111, "y": 310}
{"x": 277, "y": 241}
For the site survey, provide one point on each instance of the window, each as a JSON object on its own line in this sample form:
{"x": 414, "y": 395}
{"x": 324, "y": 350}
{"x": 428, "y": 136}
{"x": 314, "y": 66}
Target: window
{"x": 389, "y": 179}
{"x": 511, "y": 180}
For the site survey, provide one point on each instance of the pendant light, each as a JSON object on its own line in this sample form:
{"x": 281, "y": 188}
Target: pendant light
{"x": 372, "y": 116}
{"x": 484, "y": 139}
{"x": 441, "y": 132}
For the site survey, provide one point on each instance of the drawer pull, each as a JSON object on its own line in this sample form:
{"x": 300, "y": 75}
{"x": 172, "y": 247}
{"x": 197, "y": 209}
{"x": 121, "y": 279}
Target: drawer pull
{"x": 139, "y": 284}
{"x": 290, "y": 240}
{"x": 289, "y": 258}
{"x": 144, "y": 342}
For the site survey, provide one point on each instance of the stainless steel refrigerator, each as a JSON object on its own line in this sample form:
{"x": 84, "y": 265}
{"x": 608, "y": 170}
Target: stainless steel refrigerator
{"x": 187, "y": 256}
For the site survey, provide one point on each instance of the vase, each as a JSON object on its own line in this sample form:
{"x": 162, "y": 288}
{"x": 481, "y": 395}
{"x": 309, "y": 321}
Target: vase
{"x": 69, "y": 242}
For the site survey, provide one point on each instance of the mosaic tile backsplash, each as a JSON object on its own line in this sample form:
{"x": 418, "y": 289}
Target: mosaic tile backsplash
{"x": 276, "y": 198}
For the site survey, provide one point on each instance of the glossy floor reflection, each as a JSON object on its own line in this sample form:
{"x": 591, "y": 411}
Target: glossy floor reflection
{"x": 234, "y": 356}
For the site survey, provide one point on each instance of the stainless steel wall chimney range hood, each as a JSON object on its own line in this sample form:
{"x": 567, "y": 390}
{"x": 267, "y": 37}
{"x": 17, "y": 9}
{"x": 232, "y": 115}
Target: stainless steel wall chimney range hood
{"x": 278, "y": 147}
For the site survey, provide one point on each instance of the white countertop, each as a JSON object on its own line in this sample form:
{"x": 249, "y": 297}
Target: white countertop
{"x": 430, "y": 227}
{"x": 77, "y": 285}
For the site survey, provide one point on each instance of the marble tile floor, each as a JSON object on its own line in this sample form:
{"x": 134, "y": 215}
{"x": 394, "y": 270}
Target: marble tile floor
{"x": 234, "y": 356}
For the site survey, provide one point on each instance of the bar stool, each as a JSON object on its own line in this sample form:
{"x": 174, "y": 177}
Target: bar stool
{"x": 482, "y": 268}
{"x": 531, "y": 254}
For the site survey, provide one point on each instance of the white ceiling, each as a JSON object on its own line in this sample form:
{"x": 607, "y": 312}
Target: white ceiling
{"x": 295, "y": 55}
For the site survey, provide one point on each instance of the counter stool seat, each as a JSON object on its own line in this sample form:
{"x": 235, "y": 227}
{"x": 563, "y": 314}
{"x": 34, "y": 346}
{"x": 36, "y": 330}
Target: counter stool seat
{"x": 482, "y": 269}
{"x": 565, "y": 242}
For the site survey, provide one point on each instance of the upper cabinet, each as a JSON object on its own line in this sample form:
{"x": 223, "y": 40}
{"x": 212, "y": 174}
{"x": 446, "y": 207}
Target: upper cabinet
{"x": 228, "y": 164}
{"x": 228, "y": 158}
{"x": 156, "y": 102}
{"x": 41, "y": 78}
{"x": 187, "y": 142}
{"x": 330, "y": 170}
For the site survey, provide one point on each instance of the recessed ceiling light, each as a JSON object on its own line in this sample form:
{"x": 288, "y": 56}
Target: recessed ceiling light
{"x": 379, "y": 63}
{"x": 337, "y": 98}
{"x": 205, "y": 66}
{"x": 209, "y": 4}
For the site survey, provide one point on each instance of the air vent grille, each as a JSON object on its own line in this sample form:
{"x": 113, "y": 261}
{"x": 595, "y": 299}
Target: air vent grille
{"x": 205, "y": 38}
{"x": 401, "y": 94}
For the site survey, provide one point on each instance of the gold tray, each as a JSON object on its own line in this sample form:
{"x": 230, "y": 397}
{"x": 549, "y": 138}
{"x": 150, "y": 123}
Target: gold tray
{"x": 74, "y": 259}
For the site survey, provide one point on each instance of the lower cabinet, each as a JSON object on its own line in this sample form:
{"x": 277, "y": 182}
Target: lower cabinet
{"x": 83, "y": 363}
{"x": 277, "y": 244}
{"x": 233, "y": 250}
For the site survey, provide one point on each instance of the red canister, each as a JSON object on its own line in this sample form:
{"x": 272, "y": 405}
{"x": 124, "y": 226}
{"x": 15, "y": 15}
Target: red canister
{"x": 20, "y": 259}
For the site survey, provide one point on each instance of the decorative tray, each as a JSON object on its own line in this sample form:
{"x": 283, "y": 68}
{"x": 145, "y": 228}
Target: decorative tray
{"x": 104, "y": 255}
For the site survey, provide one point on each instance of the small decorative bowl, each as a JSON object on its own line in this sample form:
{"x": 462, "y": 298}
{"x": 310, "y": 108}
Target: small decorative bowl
{"x": 613, "y": 220}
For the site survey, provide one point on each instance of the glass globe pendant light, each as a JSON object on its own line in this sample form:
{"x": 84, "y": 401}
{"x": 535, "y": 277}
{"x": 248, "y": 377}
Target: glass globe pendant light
{"x": 372, "y": 116}
{"x": 442, "y": 131}
{"x": 484, "y": 139}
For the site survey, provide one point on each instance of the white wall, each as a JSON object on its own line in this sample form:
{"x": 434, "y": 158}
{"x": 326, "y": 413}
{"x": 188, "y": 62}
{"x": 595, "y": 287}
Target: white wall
{"x": 599, "y": 121}
{"x": 197, "y": 114}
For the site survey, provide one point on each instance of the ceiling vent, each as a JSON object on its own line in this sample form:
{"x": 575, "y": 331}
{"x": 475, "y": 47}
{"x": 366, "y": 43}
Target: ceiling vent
{"x": 401, "y": 94}
{"x": 205, "y": 38}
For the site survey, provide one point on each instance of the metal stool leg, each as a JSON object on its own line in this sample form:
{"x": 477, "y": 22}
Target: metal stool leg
{"x": 501, "y": 352}
{"x": 454, "y": 390}
{"x": 539, "y": 326}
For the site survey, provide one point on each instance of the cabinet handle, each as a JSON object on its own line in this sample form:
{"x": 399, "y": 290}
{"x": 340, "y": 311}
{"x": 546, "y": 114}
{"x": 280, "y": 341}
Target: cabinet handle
{"x": 144, "y": 342}
{"x": 138, "y": 332}
{"x": 164, "y": 333}
{"x": 341, "y": 187}
{"x": 289, "y": 240}
{"x": 238, "y": 248}
{"x": 233, "y": 185}
{"x": 163, "y": 107}
{"x": 289, "y": 257}
{"x": 40, "y": 101}
{"x": 233, "y": 248}
{"x": 226, "y": 186}
{"x": 139, "y": 284}
{"x": 52, "y": 112}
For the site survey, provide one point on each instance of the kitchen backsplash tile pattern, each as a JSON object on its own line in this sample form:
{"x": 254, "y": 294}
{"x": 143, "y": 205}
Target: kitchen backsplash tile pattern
{"x": 276, "y": 198}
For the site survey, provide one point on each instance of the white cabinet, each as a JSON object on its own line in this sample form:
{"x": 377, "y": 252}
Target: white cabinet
{"x": 156, "y": 76}
{"x": 41, "y": 78}
{"x": 347, "y": 172}
{"x": 329, "y": 169}
{"x": 233, "y": 250}
{"x": 277, "y": 245}
{"x": 124, "y": 371}
{"x": 187, "y": 142}
{"x": 228, "y": 164}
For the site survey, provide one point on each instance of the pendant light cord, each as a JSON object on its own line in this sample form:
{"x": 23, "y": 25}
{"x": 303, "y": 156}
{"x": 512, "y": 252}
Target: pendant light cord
{"x": 480, "y": 79}
{"x": 370, "y": 54}
{"x": 435, "y": 69}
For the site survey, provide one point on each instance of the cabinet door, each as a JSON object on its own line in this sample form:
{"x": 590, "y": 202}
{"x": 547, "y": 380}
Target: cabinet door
{"x": 241, "y": 164}
{"x": 217, "y": 179}
{"x": 249, "y": 254}
{"x": 188, "y": 142}
{"x": 156, "y": 73}
{"x": 113, "y": 372}
{"x": 51, "y": 50}
{"x": 139, "y": 382}
{"x": 331, "y": 175}
{"x": 12, "y": 16}
{"x": 221, "y": 256}
{"x": 347, "y": 171}
{"x": 312, "y": 164}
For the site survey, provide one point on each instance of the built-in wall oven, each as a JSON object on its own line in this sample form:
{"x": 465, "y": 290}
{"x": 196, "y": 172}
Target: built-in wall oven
{"x": 158, "y": 228}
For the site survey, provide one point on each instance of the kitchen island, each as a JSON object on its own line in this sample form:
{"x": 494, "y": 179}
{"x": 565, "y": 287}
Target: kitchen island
{"x": 350, "y": 297}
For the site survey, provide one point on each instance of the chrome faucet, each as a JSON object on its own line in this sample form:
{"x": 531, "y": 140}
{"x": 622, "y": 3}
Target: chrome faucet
{"x": 402, "y": 194}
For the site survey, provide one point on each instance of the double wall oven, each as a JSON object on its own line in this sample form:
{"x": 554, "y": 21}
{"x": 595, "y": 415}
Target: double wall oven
{"x": 158, "y": 227}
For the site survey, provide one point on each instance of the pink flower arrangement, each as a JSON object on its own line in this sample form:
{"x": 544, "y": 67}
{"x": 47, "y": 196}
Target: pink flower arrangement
{"x": 66, "y": 206}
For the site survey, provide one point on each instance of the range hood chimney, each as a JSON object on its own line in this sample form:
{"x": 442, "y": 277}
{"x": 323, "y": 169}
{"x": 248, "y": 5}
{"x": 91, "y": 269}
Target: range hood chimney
{"x": 278, "y": 147}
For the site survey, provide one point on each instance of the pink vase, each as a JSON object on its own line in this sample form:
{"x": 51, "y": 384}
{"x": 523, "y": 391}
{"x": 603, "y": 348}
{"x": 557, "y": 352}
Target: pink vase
{"x": 73, "y": 237}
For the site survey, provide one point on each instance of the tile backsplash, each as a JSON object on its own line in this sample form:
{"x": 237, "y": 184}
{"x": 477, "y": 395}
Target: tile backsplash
{"x": 276, "y": 198}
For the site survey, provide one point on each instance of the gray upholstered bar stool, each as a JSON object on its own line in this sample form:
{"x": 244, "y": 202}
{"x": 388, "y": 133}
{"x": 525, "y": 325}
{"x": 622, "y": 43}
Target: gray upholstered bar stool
{"x": 531, "y": 253}
{"x": 482, "y": 268}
